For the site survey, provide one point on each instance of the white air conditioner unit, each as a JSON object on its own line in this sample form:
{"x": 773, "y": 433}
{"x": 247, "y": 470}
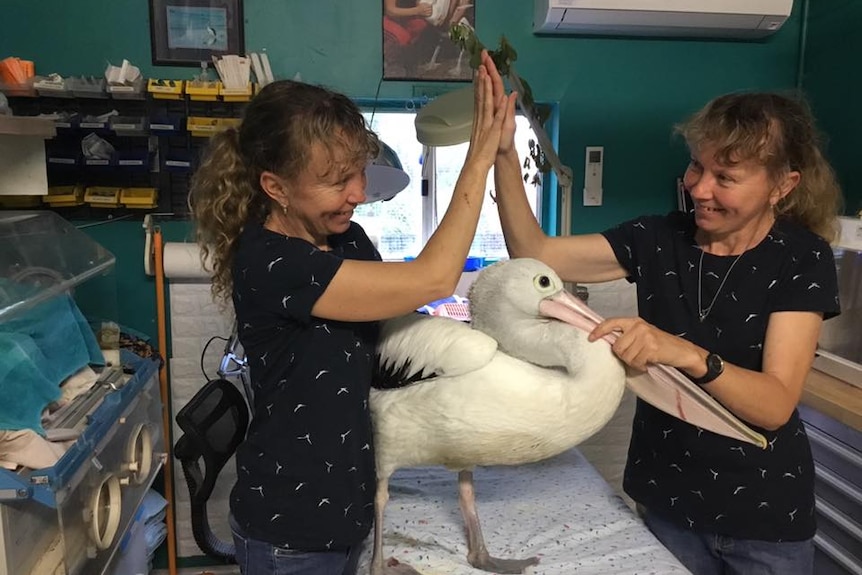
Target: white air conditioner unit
{"x": 747, "y": 19}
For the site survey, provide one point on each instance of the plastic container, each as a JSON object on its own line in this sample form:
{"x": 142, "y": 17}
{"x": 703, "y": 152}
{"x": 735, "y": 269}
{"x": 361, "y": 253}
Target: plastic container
{"x": 63, "y": 158}
{"x": 64, "y": 196}
{"x": 203, "y": 91}
{"x": 100, "y": 162}
{"x": 165, "y": 89}
{"x": 93, "y": 125}
{"x": 236, "y": 94}
{"x": 474, "y": 263}
{"x": 204, "y": 126}
{"x": 102, "y": 196}
{"x": 133, "y": 91}
{"x": 166, "y": 125}
{"x": 136, "y": 159}
{"x": 52, "y": 87}
{"x": 128, "y": 125}
{"x": 82, "y": 87}
{"x": 139, "y": 198}
{"x": 178, "y": 161}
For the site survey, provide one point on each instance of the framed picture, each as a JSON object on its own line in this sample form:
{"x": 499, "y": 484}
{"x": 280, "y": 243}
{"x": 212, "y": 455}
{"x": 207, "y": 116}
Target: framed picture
{"x": 188, "y": 32}
{"x": 416, "y": 44}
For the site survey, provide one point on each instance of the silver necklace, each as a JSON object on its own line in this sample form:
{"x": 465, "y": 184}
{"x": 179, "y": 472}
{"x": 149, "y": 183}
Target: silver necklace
{"x": 703, "y": 313}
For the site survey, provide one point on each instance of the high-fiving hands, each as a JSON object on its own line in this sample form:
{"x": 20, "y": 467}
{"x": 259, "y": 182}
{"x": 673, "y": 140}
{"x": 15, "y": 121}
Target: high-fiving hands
{"x": 493, "y": 114}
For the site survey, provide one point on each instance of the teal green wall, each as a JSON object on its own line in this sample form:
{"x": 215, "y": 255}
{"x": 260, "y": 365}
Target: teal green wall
{"x": 831, "y": 78}
{"x": 136, "y": 291}
{"x": 623, "y": 94}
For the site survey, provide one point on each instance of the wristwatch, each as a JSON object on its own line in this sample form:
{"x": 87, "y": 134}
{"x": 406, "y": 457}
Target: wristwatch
{"x": 714, "y": 368}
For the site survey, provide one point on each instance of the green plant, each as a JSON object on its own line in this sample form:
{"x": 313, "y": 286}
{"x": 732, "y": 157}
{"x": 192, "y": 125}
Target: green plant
{"x": 504, "y": 57}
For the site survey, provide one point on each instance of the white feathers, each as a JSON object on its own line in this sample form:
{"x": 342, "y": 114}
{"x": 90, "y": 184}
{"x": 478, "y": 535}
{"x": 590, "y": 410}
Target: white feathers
{"x": 492, "y": 407}
{"x": 434, "y": 345}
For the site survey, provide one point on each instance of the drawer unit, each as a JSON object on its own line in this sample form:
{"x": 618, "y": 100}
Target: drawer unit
{"x": 837, "y": 451}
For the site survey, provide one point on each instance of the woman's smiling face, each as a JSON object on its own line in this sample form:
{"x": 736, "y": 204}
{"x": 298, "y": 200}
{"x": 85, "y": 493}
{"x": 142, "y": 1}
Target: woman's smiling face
{"x": 729, "y": 199}
{"x": 322, "y": 198}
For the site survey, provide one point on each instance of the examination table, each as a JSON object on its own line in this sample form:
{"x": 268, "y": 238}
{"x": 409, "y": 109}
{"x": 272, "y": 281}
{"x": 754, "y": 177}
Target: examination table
{"x": 560, "y": 510}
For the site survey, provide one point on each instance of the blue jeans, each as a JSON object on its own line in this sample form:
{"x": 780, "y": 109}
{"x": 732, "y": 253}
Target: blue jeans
{"x": 257, "y": 557}
{"x": 710, "y": 554}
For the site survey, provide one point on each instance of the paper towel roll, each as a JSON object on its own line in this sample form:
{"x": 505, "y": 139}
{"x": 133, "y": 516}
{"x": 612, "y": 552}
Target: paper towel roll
{"x": 183, "y": 261}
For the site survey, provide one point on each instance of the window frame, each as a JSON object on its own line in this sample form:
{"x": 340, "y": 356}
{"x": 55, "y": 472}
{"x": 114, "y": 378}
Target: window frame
{"x": 548, "y": 196}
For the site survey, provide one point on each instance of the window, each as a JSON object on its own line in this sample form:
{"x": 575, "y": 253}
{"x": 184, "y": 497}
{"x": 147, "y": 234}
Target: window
{"x": 402, "y": 225}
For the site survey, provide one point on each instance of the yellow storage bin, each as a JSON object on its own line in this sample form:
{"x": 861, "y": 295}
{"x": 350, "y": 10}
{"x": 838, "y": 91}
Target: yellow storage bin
{"x": 236, "y": 94}
{"x": 102, "y": 196}
{"x": 64, "y": 196}
{"x": 139, "y": 198}
{"x": 206, "y": 91}
{"x": 165, "y": 89}
{"x": 204, "y": 126}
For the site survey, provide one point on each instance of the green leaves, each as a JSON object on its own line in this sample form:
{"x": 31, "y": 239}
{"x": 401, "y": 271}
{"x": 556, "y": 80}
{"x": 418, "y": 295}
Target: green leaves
{"x": 504, "y": 56}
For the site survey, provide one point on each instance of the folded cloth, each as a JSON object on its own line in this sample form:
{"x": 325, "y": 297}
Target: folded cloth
{"x": 152, "y": 507}
{"x": 26, "y": 447}
{"x": 155, "y": 534}
{"x": 39, "y": 349}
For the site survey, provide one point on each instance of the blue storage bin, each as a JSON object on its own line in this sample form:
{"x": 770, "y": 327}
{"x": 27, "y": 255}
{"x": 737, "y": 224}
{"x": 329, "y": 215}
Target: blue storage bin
{"x": 166, "y": 125}
{"x": 138, "y": 160}
{"x": 178, "y": 161}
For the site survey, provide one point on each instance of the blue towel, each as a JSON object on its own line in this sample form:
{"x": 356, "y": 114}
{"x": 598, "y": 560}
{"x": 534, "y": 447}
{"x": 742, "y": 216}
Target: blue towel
{"x": 39, "y": 349}
{"x": 153, "y": 507}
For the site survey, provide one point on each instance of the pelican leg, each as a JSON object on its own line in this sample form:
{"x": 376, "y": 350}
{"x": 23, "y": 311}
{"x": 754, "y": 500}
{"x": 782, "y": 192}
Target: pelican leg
{"x": 477, "y": 553}
{"x": 392, "y": 565}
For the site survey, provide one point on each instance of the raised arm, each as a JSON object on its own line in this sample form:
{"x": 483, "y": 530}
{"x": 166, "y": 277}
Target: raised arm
{"x": 364, "y": 291}
{"x": 584, "y": 258}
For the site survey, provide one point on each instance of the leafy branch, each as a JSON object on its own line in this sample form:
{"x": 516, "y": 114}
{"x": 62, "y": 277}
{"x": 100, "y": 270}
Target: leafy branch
{"x": 504, "y": 57}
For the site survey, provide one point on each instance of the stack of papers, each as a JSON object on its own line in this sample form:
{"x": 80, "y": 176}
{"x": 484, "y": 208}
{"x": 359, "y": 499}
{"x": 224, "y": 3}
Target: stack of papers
{"x": 233, "y": 70}
{"x": 262, "y": 69}
{"x": 124, "y": 75}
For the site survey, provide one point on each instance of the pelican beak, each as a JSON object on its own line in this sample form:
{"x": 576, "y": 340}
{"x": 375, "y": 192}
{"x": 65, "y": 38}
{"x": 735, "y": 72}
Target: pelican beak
{"x": 567, "y": 308}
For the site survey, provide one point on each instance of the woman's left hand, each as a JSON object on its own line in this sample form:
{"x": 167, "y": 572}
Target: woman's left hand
{"x": 640, "y": 343}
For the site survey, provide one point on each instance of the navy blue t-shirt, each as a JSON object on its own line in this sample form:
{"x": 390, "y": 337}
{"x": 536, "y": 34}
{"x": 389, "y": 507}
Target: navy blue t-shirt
{"x": 305, "y": 473}
{"x": 705, "y": 481}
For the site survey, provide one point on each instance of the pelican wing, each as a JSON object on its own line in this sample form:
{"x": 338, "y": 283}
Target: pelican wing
{"x": 416, "y": 344}
{"x": 669, "y": 390}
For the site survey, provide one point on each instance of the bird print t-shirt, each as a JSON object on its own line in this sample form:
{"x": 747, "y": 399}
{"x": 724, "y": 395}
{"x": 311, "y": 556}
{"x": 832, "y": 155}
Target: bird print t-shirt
{"x": 702, "y": 480}
{"x": 305, "y": 473}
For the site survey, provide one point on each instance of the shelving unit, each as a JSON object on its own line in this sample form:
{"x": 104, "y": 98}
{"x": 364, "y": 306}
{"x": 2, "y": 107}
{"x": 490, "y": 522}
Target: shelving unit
{"x": 158, "y": 136}
{"x": 22, "y": 155}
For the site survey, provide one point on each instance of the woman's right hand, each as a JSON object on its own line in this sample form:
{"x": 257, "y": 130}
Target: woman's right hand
{"x": 507, "y": 136}
{"x": 423, "y": 9}
{"x": 493, "y": 114}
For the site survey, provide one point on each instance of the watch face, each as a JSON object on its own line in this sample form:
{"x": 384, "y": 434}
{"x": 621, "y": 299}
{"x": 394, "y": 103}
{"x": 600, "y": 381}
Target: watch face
{"x": 714, "y": 364}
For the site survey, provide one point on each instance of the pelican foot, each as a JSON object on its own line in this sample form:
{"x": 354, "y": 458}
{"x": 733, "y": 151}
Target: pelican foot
{"x": 496, "y": 565}
{"x": 395, "y": 567}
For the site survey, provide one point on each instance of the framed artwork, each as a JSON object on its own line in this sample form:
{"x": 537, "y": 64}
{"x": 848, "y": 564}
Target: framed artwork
{"x": 416, "y": 44}
{"x": 188, "y": 32}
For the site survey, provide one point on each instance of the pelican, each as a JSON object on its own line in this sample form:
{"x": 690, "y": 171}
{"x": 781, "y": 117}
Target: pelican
{"x": 518, "y": 385}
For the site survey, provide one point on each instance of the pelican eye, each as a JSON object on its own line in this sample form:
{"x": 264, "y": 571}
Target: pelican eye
{"x": 542, "y": 282}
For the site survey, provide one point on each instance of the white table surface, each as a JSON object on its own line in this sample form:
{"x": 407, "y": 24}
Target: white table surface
{"x": 560, "y": 510}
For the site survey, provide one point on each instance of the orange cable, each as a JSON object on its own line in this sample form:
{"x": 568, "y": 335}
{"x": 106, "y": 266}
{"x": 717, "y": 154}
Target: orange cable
{"x": 166, "y": 399}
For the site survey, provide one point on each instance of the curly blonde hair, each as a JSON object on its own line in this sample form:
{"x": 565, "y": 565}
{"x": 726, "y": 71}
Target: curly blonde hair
{"x": 779, "y": 132}
{"x": 278, "y": 129}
